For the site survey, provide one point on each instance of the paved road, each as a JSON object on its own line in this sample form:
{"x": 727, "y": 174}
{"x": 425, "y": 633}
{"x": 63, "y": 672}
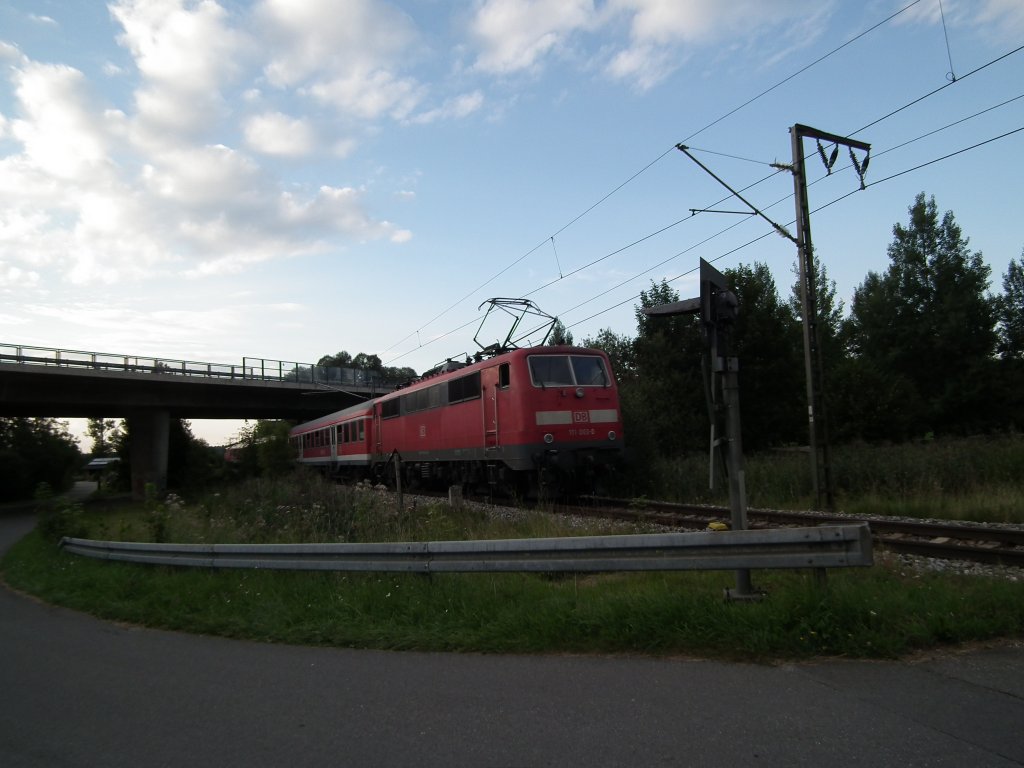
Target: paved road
{"x": 75, "y": 691}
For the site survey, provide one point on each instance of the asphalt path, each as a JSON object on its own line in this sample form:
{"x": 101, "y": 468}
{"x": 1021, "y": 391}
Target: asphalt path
{"x": 76, "y": 691}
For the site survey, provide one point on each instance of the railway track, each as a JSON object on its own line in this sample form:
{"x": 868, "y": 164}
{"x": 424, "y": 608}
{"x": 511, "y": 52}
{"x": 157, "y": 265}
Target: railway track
{"x": 961, "y": 541}
{"x": 993, "y": 544}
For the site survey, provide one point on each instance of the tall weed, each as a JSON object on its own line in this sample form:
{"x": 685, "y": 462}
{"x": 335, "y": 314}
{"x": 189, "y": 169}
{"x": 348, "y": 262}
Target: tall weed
{"x": 968, "y": 478}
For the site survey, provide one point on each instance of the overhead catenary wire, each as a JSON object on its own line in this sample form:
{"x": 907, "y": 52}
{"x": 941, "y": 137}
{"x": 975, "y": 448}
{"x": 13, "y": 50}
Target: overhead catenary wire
{"x": 813, "y": 211}
{"x": 668, "y": 151}
{"x": 538, "y": 246}
{"x": 663, "y": 229}
{"x": 949, "y": 52}
{"x": 843, "y": 197}
{"x": 747, "y": 244}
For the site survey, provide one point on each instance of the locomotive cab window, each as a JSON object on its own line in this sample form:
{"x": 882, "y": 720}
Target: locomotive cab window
{"x": 568, "y": 371}
{"x": 589, "y": 371}
{"x": 503, "y": 375}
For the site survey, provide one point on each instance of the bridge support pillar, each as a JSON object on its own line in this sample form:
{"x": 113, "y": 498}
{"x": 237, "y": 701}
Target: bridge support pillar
{"x": 149, "y": 430}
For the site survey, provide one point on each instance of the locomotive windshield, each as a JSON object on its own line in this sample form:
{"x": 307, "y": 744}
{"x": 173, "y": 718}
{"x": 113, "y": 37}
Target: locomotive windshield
{"x": 568, "y": 371}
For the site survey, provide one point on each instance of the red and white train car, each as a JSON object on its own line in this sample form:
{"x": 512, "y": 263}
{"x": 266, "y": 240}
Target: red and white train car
{"x": 528, "y": 416}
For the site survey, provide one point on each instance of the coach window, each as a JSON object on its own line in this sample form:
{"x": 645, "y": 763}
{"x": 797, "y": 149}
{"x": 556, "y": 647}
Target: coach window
{"x": 503, "y": 375}
{"x": 362, "y": 431}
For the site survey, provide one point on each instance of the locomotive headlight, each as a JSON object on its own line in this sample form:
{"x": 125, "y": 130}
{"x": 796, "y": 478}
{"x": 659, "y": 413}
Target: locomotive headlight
{"x": 549, "y": 438}
{"x": 579, "y": 392}
{"x": 611, "y": 435}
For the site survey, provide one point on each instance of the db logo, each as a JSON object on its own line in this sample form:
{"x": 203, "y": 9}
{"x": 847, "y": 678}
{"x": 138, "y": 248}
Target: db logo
{"x": 581, "y": 417}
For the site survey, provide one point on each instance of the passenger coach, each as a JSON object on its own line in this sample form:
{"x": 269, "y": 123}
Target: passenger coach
{"x": 522, "y": 419}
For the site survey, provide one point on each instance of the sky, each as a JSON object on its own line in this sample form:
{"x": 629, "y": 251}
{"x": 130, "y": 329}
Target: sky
{"x": 287, "y": 179}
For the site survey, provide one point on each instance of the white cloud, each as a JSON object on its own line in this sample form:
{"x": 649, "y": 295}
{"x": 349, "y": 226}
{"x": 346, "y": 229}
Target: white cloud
{"x": 514, "y": 35}
{"x": 60, "y": 135}
{"x": 197, "y": 178}
{"x": 333, "y": 209}
{"x": 89, "y": 199}
{"x": 323, "y": 36}
{"x": 520, "y": 35}
{"x": 644, "y": 65}
{"x": 184, "y": 56}
{"x": 343, "y": 147}
{"x": 10, "y": 52}
{"x": 1003, "y": 19}
{"x": 45, "y": 20}
{"x": 274, "y": 133}
{"x": 1005, "y": 16}
{"x": 664, "y": 32}
{"x": 369, "y": 94}
{"x": 15, "y": 278}
{"x": 346, "y": 55}
{"x": 458, "y": 107}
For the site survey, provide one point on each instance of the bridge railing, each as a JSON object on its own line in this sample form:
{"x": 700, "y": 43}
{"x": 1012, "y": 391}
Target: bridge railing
{"x": 252, "y": 368}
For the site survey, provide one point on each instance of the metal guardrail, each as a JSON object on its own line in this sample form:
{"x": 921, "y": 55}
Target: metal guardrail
{"x": 827, "y": 546}
{"x": 252, "y": 368}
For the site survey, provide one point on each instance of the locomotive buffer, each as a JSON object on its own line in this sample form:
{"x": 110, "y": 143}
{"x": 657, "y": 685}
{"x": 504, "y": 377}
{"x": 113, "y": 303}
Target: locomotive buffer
{"x": 718, "y": 307}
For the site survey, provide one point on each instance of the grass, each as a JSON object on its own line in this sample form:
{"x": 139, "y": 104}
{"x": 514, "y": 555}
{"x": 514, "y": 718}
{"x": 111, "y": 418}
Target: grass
{"x": 960, "y": 479}
{"x": 880, "y": 612}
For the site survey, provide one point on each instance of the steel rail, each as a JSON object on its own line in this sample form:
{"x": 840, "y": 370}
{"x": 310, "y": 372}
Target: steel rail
{"x": 948, "y": 540}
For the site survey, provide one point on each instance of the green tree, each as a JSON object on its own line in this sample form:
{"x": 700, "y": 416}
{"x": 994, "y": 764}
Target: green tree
{"x": 1011, "y": 311}
{"x": 103, "y": 432}
{"x": 830, "y": 315}
{"x": 34, "y": 451}
{"x": 1011, "y": 344}
{"x": 929, "y": 320}
{"x": 365, "y": 362}
{"x": 265, "y": 450}
{"x": 667, "y": 407}
{"x": 337, "y": 360}
{"x": 619, "y": 350}
{"x": 559, "y": 335}
{"x": 767, "y": 341}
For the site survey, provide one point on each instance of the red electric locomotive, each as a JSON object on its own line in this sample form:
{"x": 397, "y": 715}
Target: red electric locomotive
{"x": 522, "y": 420}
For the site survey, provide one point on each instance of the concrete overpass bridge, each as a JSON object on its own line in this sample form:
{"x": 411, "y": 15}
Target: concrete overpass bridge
{"x": 148, "y": 392}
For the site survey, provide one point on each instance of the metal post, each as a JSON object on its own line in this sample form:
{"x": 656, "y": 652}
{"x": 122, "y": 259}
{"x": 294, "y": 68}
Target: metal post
{"x": 808, "y": 306}
{"x": 728, "y": 370}
{"x": 817, "y": 415}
